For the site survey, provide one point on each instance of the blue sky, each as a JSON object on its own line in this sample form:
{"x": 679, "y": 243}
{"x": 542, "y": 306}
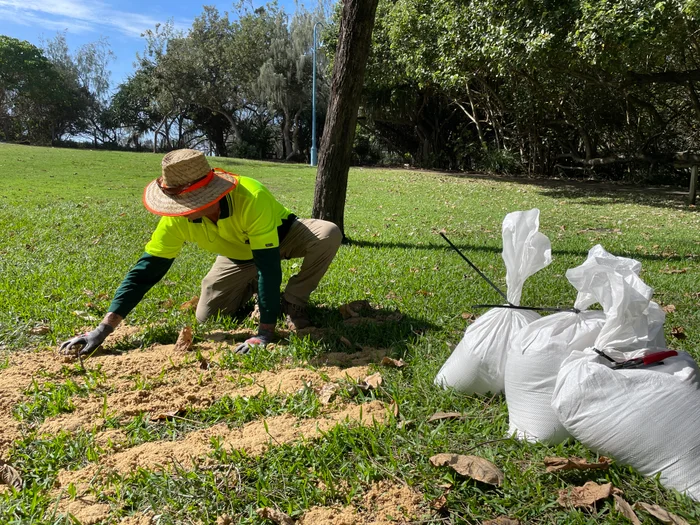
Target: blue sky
{"x": 121, "y": 21}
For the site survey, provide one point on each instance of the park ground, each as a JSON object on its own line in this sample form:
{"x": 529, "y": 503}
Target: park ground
{"x": 320, "y": 426}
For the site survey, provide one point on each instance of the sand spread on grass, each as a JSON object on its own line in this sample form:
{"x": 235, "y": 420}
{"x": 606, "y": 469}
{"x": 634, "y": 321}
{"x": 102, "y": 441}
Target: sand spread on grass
{"x": 384, "y": 503}
{"x": 188, "y": 387}
{"x": 22, "y": 369}
{"x": 138, "y": 519}
{"x": 86, "y": 510}
{"x": 254, "y": 438}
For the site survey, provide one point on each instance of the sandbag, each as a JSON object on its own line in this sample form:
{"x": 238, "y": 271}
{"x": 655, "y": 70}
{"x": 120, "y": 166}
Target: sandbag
{"x": 539, "y": 349}
{"x": 648, "y": 418}
{"x": 477, "y": 364}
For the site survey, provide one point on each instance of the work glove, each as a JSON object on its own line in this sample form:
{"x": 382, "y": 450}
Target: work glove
{"x": 264, "y": 338}
{"x": 86, "y": 343}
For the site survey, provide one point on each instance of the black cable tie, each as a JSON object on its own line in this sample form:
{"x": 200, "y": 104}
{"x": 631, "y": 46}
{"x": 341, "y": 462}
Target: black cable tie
{"x": 481, "y": 274}
{"x": 532, "y": 308}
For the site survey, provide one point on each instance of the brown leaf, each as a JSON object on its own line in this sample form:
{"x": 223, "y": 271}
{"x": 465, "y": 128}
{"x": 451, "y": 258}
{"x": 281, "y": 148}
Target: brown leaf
{"x": 660, "y": 513}
{"x": 168, "y": 303}
{"x": 204, "y": 364}
{"x": 394, "y": 408}
{"x": 395, "y": 363}
{"x": 191, "y": 304}
{"x": 184, "y": 340}
{"x": 554, "y": 463}
{"x": 585, "y": 496}
{"x": 439, "y": 503}
{"x": 346, "y": 341}
{"x": 501, "y": 520}
{"x": 439, "y": 416}
{"x": 625, "y": 509}
{"x": 353, "y": 308}
{"x": 678, "y": 332}
{"x": 162, "y": 416}
{"x": 669, "y": 308}
{"x": 10, "y": 476}
{"x": 277, "y": 516}
{"x": 467, "y": 316}
{"x": 473, "y": 467}
{"x": 40, "y": 330}
{"x": 673, "y": 270}
{"x": 373, "y": 381}
{"x": 328, "y": 392}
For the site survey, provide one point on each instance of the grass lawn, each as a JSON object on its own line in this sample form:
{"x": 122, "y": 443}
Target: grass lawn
{"x": 71, "y": 226}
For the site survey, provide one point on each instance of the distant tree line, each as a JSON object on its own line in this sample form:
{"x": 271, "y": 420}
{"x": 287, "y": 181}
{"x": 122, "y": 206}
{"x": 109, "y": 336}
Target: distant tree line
{"x": 540, "y": 87}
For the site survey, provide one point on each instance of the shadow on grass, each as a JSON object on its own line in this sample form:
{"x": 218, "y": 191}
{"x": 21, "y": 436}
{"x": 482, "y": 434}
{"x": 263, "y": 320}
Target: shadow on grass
{"x": 596, "y": 193}
{"x": 467, "y": 248}
{"x": 378, "y": 328}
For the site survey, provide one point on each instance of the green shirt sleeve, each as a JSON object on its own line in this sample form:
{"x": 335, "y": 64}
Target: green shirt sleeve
{"x": 269, "y": 265}
{"x": 147, "y": 271}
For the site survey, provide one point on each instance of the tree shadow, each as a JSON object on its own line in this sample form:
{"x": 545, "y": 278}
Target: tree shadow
{"x": 595, "y": 193}
{"x": 471, "y": 248}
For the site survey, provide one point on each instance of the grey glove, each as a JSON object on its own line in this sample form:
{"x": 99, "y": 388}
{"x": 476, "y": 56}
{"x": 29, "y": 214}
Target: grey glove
{"x": 86, "y": 343}
{"x": 264, "y": 338}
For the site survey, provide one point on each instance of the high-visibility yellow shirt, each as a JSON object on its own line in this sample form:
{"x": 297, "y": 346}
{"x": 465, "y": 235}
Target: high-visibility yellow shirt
{"x": 248, "y": 221}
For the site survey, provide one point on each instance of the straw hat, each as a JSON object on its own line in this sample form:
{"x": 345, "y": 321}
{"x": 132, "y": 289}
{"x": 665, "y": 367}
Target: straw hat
{"x": 187, "y": 184}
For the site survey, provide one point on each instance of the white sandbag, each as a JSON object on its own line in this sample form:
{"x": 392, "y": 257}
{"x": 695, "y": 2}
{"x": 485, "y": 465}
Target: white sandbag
{"x": 648, "y": 418}
{"x": 539, "y": 349}
{"x": 477, "y": 364}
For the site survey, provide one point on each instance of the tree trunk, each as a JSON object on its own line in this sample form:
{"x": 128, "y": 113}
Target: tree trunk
{"x": 354, "y": 40}
{"x": 286, "y": 132}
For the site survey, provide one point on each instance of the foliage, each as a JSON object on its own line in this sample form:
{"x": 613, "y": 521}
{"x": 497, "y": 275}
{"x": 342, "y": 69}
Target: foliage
{"x": 38, "y": 101}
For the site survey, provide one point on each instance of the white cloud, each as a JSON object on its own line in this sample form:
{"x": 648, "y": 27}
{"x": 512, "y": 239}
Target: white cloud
{"x": 77, "y": 16}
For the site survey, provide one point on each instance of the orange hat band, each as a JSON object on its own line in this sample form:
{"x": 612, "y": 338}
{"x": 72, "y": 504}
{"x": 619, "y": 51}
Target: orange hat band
{"x": 186, "y": 188}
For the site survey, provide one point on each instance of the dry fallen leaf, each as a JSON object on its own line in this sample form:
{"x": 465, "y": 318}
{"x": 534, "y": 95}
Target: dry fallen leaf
{"x": 501, "y": 520}
{"x": 10, "y": 476}
{"x": 191, "y": 304}
{"x": 167, "y": 303}
{"x": 373, "y": 381}
{"x": 353, "y": 309}
{"x": 394, "y": 408}
{"x": 277, "y": 516}
{"x": 673, "y": 270}
{"x": 669, "y": 308}
{"x": 396, "y": 363}
{"x": 439, "y": 416}
{"x": 346, "y": 341}
{"x": 554, "y": 463}
{"x": 439, "y": 503}
{"x": 660, "y": 513}
{"x": 224, "y": 519}
{"x": 184, "y": 340}
{"x": 163, "y": 416}
{"x": 468, "y": 316}
{"x": 678, "y": 332}
{"x": 40, "y": 330}
{"x": 473, "y": 467}
{"x": 328, "y": 392}
{"x": 585, "y": 496}
{"x": 625, "y": 509}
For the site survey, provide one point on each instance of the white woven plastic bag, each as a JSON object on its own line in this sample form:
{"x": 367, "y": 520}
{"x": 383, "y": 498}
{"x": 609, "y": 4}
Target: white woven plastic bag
{"x": 539, "y": 349}
{"x": 477, "y": 364}
{"x": 648, "y": 418}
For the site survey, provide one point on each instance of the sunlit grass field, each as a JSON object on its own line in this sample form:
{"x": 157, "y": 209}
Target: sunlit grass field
{"x": 72, "y": 224}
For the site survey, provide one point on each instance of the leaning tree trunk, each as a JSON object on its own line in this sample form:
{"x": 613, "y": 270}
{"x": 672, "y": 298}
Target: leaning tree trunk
{"x": 354, "y": 39}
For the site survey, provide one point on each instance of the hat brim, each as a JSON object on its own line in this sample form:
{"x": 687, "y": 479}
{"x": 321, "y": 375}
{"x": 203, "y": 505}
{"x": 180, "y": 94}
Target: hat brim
{"x": 159, "y": 203}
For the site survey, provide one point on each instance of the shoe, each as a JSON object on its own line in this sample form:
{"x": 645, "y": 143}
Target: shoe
{"x": 296, "y": 316}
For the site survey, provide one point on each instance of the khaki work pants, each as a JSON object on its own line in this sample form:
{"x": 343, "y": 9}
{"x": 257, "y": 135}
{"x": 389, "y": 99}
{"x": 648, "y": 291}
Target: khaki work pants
{"x": 229, "y": 285}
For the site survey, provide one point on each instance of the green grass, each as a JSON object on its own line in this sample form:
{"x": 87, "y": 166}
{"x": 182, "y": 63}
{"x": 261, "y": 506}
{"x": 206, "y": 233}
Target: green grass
{"x": 72, "y": 224}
